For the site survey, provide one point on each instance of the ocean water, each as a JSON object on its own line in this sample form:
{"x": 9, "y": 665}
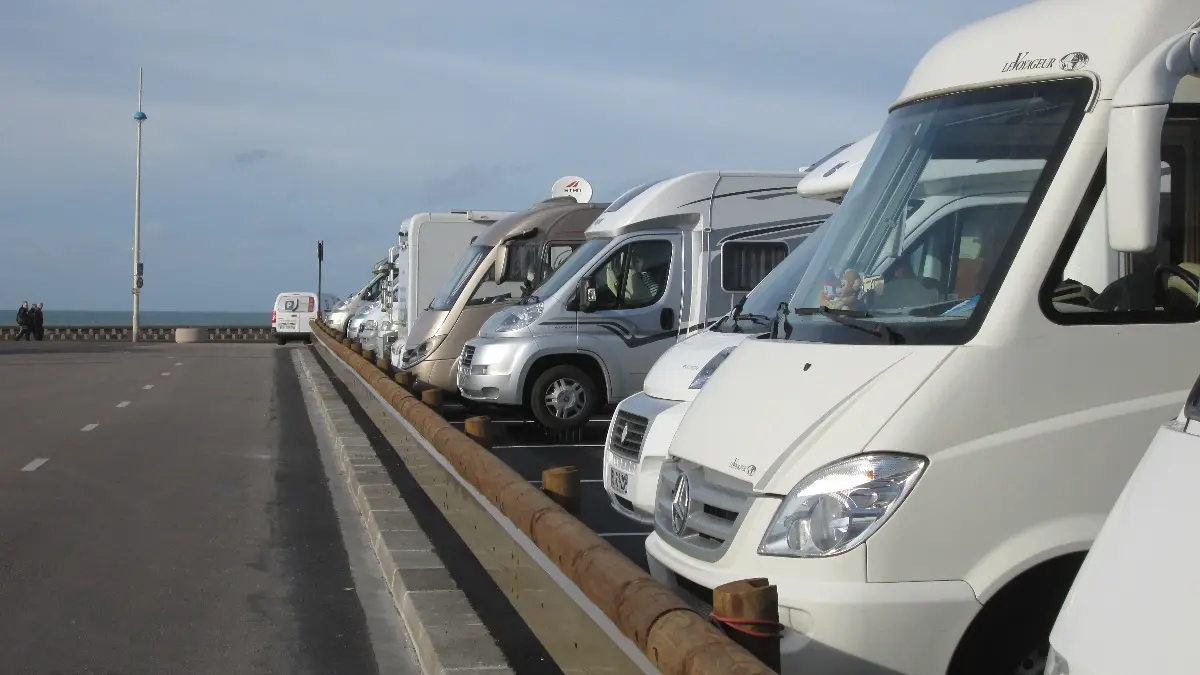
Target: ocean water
{"x": 72, "y": 317}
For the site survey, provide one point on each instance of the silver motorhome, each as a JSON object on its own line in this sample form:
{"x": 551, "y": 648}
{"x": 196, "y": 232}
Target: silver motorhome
{"x": 664, "y": 260}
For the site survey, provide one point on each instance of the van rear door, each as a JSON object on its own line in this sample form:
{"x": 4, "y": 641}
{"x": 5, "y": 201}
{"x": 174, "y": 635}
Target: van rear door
{"x": 288, "y": 308}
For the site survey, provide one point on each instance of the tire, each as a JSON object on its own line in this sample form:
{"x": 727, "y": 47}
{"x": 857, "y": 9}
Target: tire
{"x": 576, "y": 392}
{"x": 281, "y": 340}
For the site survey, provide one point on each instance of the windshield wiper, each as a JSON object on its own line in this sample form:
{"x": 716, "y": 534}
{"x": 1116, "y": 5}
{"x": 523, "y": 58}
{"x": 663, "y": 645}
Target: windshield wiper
{"x": 854, "y": 319}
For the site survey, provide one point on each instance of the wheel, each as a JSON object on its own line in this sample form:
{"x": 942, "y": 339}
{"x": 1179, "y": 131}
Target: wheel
{"x": 281, "y": 340}
{"x": 563, "y": 397}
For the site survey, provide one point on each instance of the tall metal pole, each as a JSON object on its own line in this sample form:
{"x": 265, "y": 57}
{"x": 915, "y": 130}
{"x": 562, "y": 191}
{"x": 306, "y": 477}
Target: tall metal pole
{"x": 140, "y": 117}
{"x": 320, "y": 296}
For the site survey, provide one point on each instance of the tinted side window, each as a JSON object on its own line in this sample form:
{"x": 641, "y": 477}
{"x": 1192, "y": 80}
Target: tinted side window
{"x": 745, "y": 263}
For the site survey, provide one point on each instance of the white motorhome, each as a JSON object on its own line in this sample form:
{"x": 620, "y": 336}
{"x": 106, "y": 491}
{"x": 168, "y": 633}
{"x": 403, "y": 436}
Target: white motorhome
{"x": 663, "y": 261}
{"x": 1130, "y": 607}
{"x": 924, "y": 462}
{"x": 339, "y": 317}
{"x": 644, "y": 424}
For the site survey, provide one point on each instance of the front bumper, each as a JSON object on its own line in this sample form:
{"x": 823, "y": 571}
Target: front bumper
{"x": 493, "y": 374}
{"x": 631, "y": 477}
{"x": 438, "y": 373}
{"x": 834, "y": 621}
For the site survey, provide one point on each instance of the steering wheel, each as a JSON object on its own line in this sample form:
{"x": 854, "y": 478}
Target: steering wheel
{"x": 1161, "y": 274}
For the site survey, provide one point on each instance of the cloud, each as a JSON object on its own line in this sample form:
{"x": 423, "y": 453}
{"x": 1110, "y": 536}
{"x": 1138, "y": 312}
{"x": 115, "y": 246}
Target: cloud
{"x": 255, "y": 156}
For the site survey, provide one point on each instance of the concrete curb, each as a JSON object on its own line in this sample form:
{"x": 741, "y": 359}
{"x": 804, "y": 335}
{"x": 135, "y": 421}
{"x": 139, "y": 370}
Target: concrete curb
{"x": 446, "y": 633}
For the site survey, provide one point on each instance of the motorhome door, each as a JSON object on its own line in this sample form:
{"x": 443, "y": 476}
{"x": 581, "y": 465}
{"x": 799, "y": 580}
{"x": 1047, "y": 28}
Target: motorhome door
{"x": 635, "y": 316}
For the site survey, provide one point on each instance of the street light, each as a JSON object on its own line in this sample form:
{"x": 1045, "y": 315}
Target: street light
{"x": 140, "y": 117}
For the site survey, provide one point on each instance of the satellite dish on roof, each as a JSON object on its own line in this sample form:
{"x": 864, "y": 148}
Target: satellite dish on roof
{"x": 572, "y": 186}
{"x": 834, "y": 175}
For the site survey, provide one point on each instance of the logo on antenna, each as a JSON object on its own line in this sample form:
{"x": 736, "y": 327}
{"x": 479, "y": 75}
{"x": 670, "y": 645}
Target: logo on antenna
{"x": 573, "y": 184}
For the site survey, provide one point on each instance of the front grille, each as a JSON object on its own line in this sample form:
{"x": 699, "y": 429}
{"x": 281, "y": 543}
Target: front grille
{"x": 628, "y": 433}
{"x": 468, "y": 353}
{"x": 714, "y": 514}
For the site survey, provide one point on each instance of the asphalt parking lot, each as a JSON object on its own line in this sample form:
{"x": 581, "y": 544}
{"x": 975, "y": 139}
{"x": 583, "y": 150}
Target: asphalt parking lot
{"x": 524, "y": 446}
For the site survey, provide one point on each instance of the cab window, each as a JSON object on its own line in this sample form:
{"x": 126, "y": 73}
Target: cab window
{"x": 373, "y": 291}
{"x": 520, "y": 279}
{"x": 634, "y": 276}
{"x": 1091, "y": 283}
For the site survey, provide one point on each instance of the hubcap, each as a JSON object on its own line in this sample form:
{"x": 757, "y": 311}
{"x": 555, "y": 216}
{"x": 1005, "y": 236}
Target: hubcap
{"x": 1034, "y": 663}
{"x": 565, "y": 398}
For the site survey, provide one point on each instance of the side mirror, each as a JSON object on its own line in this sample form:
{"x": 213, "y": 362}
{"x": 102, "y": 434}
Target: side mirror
{"x": 666, "y": 318}
{"x": 587, "y": 295}
{"x": 500, "y": 267}
{"x": 1134, "y": 177}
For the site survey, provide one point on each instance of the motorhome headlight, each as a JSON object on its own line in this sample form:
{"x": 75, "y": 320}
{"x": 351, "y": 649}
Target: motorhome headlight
{"x": 423, "y": 350}
{"x": 369, "y": 324}
{"x": 341, "y": 305}
{"x": 385, "y": 326}
{"x": 519, "y": 317}
{"x": 710, "y": 368}
{"x": 836, "y": 507}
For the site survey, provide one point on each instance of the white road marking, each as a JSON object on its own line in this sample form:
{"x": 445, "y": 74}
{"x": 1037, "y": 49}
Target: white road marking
{"x": 624, "y": 534}
{"x": 33, "y": 466}
{"x": 123, "y": 404}
{"x": 179, "y": 363}
{"x": 165, "y": 374}
{"x": 148, "y": 386}
{"x": 89, "y": 427}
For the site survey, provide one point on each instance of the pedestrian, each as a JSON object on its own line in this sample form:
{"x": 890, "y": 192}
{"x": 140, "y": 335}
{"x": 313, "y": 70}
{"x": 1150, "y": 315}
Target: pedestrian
{"x": 39, "y": 329}
{"x": 24, "y": 321}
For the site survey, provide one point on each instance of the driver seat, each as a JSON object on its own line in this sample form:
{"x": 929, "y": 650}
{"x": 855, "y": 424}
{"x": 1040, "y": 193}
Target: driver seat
{"x": 1180, "y": 296}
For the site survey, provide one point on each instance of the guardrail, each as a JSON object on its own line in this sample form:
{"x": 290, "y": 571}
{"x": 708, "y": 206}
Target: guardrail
{"x": 672, "y": 635}
{"x": 145, "y": 334}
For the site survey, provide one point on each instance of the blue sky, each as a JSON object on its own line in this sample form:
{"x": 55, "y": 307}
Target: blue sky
{"x": 275, "y": 123}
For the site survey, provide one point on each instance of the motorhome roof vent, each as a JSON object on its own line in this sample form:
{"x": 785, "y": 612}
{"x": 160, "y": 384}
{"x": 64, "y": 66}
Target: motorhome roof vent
{"x": 572, "y": 186}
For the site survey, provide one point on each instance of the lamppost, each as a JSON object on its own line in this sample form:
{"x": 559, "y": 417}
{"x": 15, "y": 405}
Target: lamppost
{"x": 320, "y": 297}
{"x": 140, "y": 117}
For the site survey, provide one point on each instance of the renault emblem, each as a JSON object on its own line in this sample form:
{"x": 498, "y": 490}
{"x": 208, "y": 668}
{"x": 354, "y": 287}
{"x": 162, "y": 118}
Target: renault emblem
{"x": 681, "y": 504}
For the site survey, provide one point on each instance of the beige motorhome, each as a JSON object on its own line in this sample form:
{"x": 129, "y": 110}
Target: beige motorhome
{"x": 504, "y": 266}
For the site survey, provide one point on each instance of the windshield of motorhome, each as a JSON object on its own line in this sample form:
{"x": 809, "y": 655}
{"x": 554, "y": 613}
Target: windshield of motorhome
{"x": 943, "y": 195}
{"x": 561, "y": 276}
{"x": 459, "y": 276}
{"x": 528, "y": 266}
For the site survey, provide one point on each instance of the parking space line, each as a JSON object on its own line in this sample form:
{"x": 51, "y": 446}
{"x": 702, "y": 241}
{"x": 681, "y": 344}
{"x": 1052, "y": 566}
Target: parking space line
{"x": 33, "y": 466}
{"x": 180, "y": 363}
{"x": 541, "y": 447}
{"x": 148, "y": 386}
{"x": 166, "y": 374}
{"x": 626, "y": 534}
{"x": 123, "y": 404}
{"x": 89, "y": 427}
{"x": 581, "y": 480}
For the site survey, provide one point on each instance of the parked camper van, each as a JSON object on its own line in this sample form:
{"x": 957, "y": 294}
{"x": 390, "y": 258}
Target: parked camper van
{"x": 982, "y": 347}
{"x": 394, "y": 298}
{"x": 339, "y": 317}
{"x": 292, "y": 314}
{"x": 522, "y": 251}
{"x": 661, "y": 262}
{"x": 1130, "y": 607}
{"x": 643, "y": 425}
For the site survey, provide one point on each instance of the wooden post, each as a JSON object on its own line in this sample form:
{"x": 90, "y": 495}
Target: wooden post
{"x": 755, "y": 602}
{"x": 369, "y": 355}
{"x": 405, "y": 379}
{"x": 433, "y": 399}
{"x": 356, "y": 348}
{"x": 479, "y": 430}
{"x": 562, "y": 485}
{"x": 384, "y": 365}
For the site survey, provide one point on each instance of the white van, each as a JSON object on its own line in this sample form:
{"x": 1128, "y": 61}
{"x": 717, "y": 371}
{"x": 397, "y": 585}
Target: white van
{"x": 986, "y": 341}
{"x": 293, "y": 311}
{"x": 664, "y": 260}
{"x": 1131, "y": 607}
{"x": 644, "y": 424}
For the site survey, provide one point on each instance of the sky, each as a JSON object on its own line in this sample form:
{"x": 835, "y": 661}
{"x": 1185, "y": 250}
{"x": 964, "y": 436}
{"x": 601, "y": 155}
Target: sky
{"x": 276, "y": 123}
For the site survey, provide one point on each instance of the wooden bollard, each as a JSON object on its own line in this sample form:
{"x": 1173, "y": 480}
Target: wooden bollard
{"x": 356, "y": 348}
{"x": 383, "y": 364}
{"x": 748, "y": 612}
{"x": 405, "y": 379}
{"x": 479, "y": 429}
{"x": 433, "y": 399}
{"x": 369, "y": 355}
{"x": 562, "y": 485}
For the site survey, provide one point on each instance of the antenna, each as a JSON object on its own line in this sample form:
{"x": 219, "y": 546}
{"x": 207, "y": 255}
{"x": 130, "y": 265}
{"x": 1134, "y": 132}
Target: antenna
{"x": 139, "y": 117}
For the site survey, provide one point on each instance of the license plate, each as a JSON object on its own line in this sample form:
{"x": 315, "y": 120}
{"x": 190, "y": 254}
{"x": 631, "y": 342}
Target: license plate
{"x": 286, "y": 327}
{"x": 618, "y": 480}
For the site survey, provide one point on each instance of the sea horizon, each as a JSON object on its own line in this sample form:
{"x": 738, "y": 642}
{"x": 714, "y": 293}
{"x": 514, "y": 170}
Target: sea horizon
{"x": 92, "y": 317}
